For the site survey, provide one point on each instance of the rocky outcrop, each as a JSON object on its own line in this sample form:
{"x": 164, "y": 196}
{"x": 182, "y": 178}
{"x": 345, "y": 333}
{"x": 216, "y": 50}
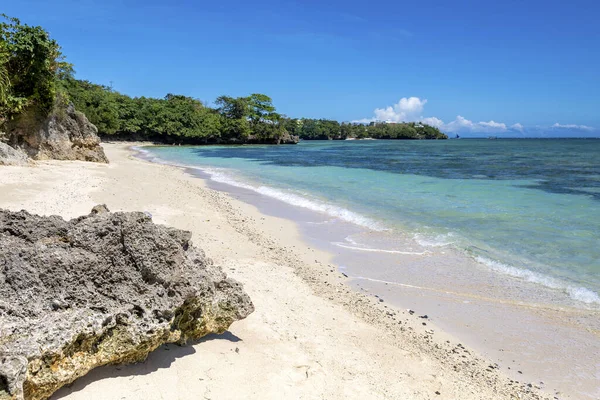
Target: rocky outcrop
{"x": 10, "y": 156}
{"x": 286, "y": 138}
{"x": 107, "y": 288}
{"x": 289, "y": 139}
{"x": 64, "y": 135}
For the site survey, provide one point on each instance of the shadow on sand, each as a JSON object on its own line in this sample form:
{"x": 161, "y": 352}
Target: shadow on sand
{"x": 160, "y": 358}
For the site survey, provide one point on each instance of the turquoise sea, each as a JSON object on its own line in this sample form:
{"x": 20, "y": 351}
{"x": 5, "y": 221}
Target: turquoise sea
{"x": 528, "y": 208}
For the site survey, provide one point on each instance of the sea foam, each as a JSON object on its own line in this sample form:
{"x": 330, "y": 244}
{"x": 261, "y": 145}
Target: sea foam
{"x": 581, "y": 294}
{"x": 440, "y": 240}
{"x": 225, "y": 176}
{"x": 374, "y": 250}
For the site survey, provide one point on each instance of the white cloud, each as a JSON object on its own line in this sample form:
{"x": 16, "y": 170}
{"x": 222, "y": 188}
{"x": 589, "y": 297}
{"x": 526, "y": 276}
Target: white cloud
{"x": 493, "y": 125}
{"x": 407, "y": 109}
{"x": 410, "y": 109}
{"x": 461, "y": 124}
{"x": 573, "y": 126}
{"x": 433, "y": 121}
{"x": 517, "y": 127}
{"x": 363, "y": 120}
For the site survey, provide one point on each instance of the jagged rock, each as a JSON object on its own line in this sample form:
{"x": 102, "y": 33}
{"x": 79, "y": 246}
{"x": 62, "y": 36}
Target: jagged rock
{"x": 10, "y": 156}
{"x": 64, "y": 135}
{"x": 107, "y": 288}
{"x": 286, "y": 138}
{"x": 289, "y": 139}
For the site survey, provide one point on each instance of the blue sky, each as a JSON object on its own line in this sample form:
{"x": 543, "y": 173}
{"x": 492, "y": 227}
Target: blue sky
{"x": 468, "y": 66}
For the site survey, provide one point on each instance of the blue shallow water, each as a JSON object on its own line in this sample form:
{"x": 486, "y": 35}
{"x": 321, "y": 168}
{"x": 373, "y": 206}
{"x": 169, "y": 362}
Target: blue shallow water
{"x": 527, "y": 208}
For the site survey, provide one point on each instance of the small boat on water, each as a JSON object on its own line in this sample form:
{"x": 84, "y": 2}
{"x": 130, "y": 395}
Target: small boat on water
{"x": 492, "y": 137}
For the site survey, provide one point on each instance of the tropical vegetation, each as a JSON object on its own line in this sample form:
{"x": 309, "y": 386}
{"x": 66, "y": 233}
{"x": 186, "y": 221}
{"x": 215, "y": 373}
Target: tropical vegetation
{"x": 31, "y": 67}
{"x": 319, "y": 129}
{"x": 36, "y": 80}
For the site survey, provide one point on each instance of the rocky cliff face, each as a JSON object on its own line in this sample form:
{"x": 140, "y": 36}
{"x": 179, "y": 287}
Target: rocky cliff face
{"x": 10, "y": 156}
{"x": 64, "y": 135}
{"x": 106, "y": 288}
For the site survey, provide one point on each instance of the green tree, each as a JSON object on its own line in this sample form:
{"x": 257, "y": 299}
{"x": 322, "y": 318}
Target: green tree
{"x": 292, "y": 126}
{"x": 129, "y": 115}
{"x": 99, "y": 103}
{"x": 31, "y": 65}
{"x": 233, "y": 108}
{"x": 186, "y": 117}
{"x": 261, "y": 109}
{"x": 4, "y": 80}
{"x": 235, "y": 114}
{"x": 320, "y": 129}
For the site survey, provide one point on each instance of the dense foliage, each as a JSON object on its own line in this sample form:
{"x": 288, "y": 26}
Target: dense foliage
{"x": 114, "y": 113}
{"x": 319, "y": 129}
{"x": 177, "y": 118}
{"x": 235, "y": 120}
{"x": 31, "y": 64}
{"x": 35, "y": 77}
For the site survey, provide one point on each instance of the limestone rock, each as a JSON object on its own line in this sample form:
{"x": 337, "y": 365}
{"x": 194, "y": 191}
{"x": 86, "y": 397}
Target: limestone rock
{"x": 10, "y": 156}
{"x": 64, "y": 135}
{"x": 107, "y": 288}
{"x": 286, "y": 138}
{"x": 289, "y": 139}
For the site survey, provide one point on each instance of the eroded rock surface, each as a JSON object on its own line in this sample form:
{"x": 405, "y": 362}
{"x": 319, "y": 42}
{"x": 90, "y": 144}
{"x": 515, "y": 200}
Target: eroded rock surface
{"x": 107, "y": 288}
{"x": 10, "y": 156}
{"x": 64, "y": 135}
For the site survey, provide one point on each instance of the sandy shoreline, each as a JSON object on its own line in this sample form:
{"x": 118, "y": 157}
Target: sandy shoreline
{"x": 310, "y": 337}
{"x": 533, "y": 334}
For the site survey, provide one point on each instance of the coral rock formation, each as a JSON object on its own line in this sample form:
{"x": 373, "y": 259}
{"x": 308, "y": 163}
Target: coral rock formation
{"x": 107, "y": 288}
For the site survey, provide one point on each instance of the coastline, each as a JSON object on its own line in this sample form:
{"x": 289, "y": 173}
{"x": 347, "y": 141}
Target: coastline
{"x": 535, "y": 333}
{"x": 311, "y": 336}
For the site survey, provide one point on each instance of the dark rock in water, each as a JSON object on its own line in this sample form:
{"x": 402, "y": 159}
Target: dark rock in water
{"x": 286, "y": 138}
{"x": 289, "y": 139}
{"x": 64, "y": 135}
{"x": 107, "y": 288}
{"x": 11, "y": 156}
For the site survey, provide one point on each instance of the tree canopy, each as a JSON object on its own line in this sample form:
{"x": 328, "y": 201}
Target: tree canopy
{"x": 252, "y": 119}
{"x": 177, "y": 118}
{"x": 323, "y": 129}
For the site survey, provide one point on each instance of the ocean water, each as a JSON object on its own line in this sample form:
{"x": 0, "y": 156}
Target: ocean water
{"x": 527, "y": 209}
